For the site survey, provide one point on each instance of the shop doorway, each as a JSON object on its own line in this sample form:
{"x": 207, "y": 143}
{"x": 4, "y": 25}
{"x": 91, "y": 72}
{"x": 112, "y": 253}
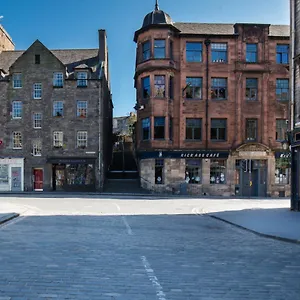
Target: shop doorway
{"x": 16, "y": 179}
{"x": 38, "y": 179}
{"x": 251, "y": 178}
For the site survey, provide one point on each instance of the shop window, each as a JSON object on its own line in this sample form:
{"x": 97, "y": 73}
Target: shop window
{"x": 282, "y": 89}
{"x": 219, "y": 52}
{"x": 146, "y": 87}
{"x": 219, "y": 88}
{"x": 251, "y": 129}
{"x": 218, "y": 130}
{"x": 159, "y": 127}
{"x": 251, "y": 53}
{"x": 146, "y": 129}
{"x": 217, "y": 171}
{"x": 79, "y": 175}
{"x": 160, "y": 86}
{"x": 282, "y": 54}
{"x": 3, "y": 174}
{"x": 251, "y": 88}
{"x": 193, "y": 129}
{"x": 146, "y": 48}
{"x": 82, "y": 109}
{"x": 159, "y": 48}
{"x": 159, "y": 171}
{"x": 193, "y": 52}
{"x": 193, "y": 171}
{"x": 194, "y": 88}
{"x": 282, "y": 170}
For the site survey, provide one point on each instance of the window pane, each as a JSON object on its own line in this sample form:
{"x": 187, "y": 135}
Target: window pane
{"x": 217, "y": 171}
{"x": 159, "y": 127}
{"x": 159, "y": 49}
{"x": 160, "y": 89}
{"x": 146, "y": 87}
{"x": 193, "y": 52}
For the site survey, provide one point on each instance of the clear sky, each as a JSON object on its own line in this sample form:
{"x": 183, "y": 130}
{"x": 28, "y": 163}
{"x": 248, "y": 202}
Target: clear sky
{"x": 74, "y": 24}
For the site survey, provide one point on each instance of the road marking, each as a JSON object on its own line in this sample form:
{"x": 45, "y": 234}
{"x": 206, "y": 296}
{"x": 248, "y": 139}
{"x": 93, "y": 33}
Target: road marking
{"x": 151, "y": 275}
{"x": 12, "y": 222}
{"x": 198, "y": 211}
{"x": 129, "y": 230}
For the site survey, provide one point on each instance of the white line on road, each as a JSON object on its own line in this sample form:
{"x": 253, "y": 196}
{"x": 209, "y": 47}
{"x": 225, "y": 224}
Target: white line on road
{"x": 11, "y": 222}
{"x": 129, "y": 230}
{"x": 151, "y": 275}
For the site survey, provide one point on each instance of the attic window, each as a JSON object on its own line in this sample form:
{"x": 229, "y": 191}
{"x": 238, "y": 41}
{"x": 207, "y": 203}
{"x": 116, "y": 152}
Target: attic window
{"x": 82, "y": 79}
{"x": 37, "y": 59}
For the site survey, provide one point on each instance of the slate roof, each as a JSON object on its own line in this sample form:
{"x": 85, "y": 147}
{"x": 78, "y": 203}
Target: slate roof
{"x": 69, "y": 57}
{"x": 225, "y": 29}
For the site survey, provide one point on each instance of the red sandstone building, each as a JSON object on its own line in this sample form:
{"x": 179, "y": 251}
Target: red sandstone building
{"x": 212, "y": 102}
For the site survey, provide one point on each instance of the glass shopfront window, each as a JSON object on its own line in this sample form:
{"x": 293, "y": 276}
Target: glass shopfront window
{"x": 3, "y": 174}
{"x": 217, "y": 171}
{"x": 282, "y": 170}
{"x": 80, "y": 174}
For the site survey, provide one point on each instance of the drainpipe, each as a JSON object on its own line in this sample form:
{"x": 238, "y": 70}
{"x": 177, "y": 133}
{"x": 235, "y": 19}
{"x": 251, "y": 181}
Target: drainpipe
{"x": 207, "y": 43}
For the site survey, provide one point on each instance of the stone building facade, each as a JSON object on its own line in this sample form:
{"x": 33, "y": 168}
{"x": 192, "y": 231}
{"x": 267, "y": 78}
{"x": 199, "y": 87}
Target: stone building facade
{"x": 6, "y": 42}
{"x": 56, "y": 120}
{"x": 212, "y": 106}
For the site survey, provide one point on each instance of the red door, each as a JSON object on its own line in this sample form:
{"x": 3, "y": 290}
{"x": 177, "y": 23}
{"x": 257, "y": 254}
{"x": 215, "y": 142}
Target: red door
{"x": 38, "y": 179}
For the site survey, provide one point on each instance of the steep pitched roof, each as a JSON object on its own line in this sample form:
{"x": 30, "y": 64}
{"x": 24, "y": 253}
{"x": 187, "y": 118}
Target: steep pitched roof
{"x": 225, "y": 29}
{"x": 69, "y": 57}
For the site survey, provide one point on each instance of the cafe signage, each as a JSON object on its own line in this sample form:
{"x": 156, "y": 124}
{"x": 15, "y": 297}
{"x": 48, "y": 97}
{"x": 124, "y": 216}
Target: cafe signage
{"x": 183, "y": 154}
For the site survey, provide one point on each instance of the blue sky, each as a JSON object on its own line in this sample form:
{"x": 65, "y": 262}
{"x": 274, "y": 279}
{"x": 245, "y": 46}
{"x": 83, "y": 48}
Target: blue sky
{"x": 74, "y": 24}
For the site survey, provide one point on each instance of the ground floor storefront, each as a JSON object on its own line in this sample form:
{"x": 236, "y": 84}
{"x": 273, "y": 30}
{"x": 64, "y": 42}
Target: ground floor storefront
{"x": 11, "y": 174}
{"x": 77, "y": 174}
{"x": 252, "y": 170}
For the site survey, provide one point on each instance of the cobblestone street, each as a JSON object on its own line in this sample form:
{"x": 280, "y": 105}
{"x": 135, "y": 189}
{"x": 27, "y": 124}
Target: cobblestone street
{"x": 108, "y": 249}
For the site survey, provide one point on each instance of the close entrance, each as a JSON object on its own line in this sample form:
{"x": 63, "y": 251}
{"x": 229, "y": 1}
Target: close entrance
{"x": 251, "y": 178}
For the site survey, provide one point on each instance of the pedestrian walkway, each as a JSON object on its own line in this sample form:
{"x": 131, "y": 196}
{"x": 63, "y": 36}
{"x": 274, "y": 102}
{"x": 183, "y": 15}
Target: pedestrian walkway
{"x": 280, "y": 222}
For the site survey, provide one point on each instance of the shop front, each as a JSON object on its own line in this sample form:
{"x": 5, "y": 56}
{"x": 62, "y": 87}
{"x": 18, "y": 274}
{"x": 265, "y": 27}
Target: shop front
{"x": 11, "y": 174}
{"x": 73, "y": 174}
{"x": 186, "y": 172}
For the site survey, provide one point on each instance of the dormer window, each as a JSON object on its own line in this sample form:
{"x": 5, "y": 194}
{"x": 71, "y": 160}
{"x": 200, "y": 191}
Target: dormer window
{"x": 58, "y": 79}
{"x": 81, "y": 79}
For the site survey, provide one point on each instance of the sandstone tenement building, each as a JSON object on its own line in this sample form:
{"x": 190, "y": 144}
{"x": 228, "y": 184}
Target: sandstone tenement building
{"x": 56, "y": 117}
{"x": 212, "y": 105}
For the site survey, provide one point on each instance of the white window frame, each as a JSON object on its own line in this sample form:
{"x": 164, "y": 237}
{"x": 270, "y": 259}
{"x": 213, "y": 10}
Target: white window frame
{"x": 37, "y": 120}
{"x": 37, "y": 148}
{"x": 82, "y": 78}
{"x": 81, "y": 139}
{"x": 37, "y": 91}
{"x": 82, "y": 107}
{"x": 58, "y": 139}
{"x": 58, "y": 79}
{"x": 17, "y": 109}
{"x": 17, "y": 80}
{"x": 15, "y": 136}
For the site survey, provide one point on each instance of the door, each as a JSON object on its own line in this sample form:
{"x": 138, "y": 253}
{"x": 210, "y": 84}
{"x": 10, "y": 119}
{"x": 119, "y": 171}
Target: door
{"x": 38, "y": 179}
{"x": 16, "y": 177}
